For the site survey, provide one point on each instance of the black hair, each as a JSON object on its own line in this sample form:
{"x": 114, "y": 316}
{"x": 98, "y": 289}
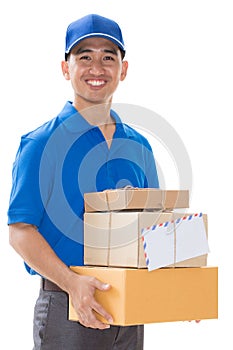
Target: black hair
{"x": 122, "y": 54}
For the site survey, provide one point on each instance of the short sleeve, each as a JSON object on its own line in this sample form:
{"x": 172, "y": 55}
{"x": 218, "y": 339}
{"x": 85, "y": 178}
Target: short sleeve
{"x": 25, "y": 200}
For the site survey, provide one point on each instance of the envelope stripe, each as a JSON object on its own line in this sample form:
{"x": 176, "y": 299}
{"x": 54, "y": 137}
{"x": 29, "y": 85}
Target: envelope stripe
{"x": 165, "y": 224}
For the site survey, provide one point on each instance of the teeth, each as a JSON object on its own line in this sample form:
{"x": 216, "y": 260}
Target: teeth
{"x": 95, "y": 82}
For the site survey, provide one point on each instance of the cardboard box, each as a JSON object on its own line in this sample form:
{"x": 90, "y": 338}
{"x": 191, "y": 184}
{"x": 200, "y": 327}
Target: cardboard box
{"x": 138, "y": 296}
{"x": 136, "y": 198}
{"x": 114, "y": 239}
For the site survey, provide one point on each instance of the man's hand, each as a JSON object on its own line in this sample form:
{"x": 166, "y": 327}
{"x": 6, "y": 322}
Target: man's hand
{"x": 84, "y": 303}
{"x": 37, "y": 253}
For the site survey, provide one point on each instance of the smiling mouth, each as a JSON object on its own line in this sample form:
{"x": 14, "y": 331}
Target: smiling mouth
{"x": 96, "y": 82}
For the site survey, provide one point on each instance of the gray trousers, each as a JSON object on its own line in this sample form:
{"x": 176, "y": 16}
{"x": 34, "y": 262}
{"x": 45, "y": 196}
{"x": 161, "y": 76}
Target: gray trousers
{"x": 53, "y": 331}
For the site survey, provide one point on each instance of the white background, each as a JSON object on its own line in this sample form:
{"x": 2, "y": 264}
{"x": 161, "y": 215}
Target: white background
{"x": 180, "y": 66}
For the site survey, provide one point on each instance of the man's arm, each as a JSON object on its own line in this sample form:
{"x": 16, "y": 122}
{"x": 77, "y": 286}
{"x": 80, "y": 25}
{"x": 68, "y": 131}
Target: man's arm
{"x": 37, "y": 253}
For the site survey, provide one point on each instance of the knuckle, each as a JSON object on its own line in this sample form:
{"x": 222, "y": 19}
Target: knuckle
{"x": 85, "y": 300}
{"x": 92, "y": 280}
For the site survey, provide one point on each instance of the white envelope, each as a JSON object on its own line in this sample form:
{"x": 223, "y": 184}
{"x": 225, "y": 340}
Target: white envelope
{"x": 175, "y": 241}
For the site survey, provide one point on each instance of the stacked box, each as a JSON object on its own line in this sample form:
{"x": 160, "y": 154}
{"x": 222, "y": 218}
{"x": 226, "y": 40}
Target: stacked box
{"x": 138, "y": 296}
{"x": 114, "y": 221}
{"x": 136, "y": 198}
{"x": 118, "y": 227}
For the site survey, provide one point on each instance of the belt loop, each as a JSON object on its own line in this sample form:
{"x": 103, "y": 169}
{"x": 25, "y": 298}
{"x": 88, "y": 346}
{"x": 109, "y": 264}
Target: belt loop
{"x": 42, "y": 283}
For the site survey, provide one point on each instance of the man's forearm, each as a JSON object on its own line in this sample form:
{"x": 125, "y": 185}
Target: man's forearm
{"x": 37, "y": 253}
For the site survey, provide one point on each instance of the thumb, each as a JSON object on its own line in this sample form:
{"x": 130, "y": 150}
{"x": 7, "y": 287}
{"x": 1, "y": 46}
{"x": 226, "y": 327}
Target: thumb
{"x": 100, "y": 285}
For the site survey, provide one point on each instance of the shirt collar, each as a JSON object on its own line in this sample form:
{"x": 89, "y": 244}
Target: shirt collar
{"x": 74, "y": 121}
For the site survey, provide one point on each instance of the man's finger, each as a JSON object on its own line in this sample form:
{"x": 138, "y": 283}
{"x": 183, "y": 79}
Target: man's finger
{"x": 88, "y": 319}
{"x": 100, "y": 310}
{"x": 100, "y": 285}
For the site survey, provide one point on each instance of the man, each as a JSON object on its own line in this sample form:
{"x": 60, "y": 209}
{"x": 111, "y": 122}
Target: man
{"x": 85, "y": 148}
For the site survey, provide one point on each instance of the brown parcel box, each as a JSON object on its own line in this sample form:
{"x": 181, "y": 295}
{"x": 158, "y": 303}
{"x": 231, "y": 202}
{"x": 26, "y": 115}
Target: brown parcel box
{"x": 136, "y": 198}
{"x": 138, "y": 296}
{"x": 114, "y": 239}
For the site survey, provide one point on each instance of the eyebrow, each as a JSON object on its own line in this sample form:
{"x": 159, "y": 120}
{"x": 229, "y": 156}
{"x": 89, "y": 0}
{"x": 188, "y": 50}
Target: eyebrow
{"x": 81, "y": 50}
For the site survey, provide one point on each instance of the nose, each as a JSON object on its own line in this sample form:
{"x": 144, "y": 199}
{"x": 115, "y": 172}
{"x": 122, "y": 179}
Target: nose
{"x": 96, "y": 67}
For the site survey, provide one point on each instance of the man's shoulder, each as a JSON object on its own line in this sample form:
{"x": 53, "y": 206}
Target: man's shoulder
{"x": 42, "y": 132}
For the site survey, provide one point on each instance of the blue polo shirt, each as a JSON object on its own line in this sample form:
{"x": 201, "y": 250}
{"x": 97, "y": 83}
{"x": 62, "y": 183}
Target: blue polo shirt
{"x": 60, "y": 161}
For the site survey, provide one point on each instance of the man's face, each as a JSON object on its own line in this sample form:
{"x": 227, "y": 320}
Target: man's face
{"x": 95, "y": 68}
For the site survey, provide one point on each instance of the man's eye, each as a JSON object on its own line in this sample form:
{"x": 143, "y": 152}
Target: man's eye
{"x": 108, "y": 58}
{"x": 85, "y": 58}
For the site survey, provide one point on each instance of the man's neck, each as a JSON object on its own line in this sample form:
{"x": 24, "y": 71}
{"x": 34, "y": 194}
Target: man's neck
{"x": 99, "y": 115}
{"x": 95, "y": 114}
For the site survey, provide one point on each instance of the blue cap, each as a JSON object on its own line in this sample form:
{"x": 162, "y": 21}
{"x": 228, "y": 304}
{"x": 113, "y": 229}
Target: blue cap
{"x": 91, "y": 26}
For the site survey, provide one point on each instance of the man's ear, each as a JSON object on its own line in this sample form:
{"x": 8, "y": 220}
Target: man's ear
{"x": 65, "y": 69}
{"x": 124, "y": 70}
